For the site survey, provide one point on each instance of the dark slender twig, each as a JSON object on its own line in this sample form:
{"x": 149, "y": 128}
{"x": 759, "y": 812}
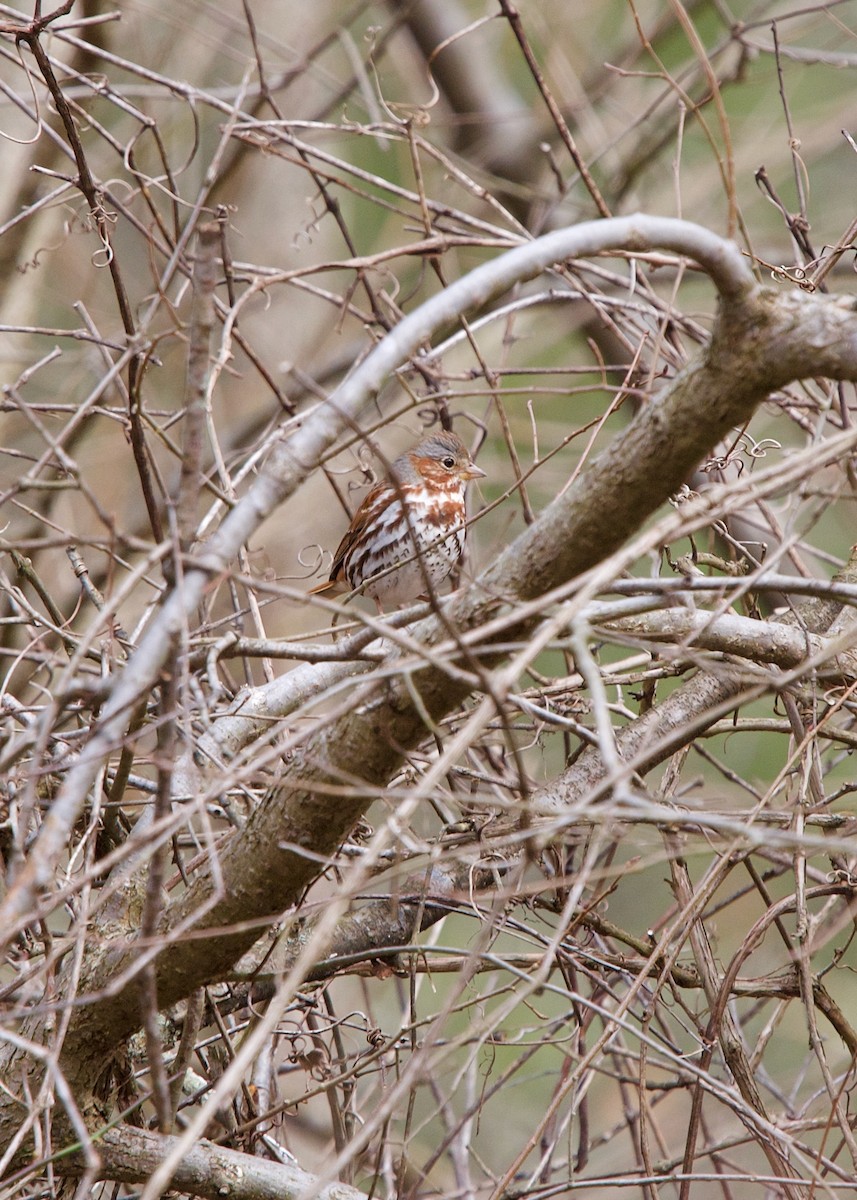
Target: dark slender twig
{"x": 514, "y": 18}
{"x": 94, "y": 198}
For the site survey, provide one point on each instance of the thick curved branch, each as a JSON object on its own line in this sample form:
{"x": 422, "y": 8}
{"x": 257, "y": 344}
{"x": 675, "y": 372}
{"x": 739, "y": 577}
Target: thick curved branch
{"x": 760, "y": 342}
{"x": 758, "y": 346}
{"x": 292, "y": 461}
{"x": 366, "y": 931}
{"x": 265, "y": 868}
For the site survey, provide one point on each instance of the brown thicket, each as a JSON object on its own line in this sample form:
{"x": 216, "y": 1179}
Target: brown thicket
{"x": 542, "y": 887}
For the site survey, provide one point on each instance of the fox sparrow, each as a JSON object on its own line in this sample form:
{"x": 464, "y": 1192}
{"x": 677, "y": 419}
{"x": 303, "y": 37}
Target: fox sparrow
{"x": 408, "y": 532}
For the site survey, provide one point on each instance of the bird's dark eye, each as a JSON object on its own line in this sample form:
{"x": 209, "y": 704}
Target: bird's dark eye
{"x": 448, "y": 462}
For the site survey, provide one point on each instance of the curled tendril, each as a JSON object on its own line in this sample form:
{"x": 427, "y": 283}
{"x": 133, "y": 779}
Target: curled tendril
{"x": 683, "y": 496}
{"x": 104, "y": 256}
{"x": 721, "y": 462}
{"x": 746, "y": 446}
{"x": 795, "y": 275}
{"x": 312, "y": 556}
{"x": 760, "y": 449}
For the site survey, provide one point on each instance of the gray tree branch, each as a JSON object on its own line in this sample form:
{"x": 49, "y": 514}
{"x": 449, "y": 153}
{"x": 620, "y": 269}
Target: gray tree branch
{"x": 760, "y": 342}
{"x": 293, "y": 459}
{"x": 131, "y": 1155}
{"x": 265, "y": 868}
{"x": 697, "y": 704}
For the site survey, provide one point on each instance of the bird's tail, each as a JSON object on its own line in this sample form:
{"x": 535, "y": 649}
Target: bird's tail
{"x": 326, "y": 586}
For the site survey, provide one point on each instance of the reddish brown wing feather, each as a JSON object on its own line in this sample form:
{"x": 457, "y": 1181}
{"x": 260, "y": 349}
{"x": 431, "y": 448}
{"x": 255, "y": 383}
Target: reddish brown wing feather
{"x": 354, "y": 533}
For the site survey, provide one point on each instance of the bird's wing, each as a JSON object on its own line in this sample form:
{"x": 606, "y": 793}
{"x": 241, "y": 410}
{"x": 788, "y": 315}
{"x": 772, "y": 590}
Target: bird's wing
{"x": 361, "y": 519}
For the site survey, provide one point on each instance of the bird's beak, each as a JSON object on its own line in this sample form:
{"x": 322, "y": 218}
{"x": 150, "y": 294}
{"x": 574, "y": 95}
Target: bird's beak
{"x": 474, "y": 472}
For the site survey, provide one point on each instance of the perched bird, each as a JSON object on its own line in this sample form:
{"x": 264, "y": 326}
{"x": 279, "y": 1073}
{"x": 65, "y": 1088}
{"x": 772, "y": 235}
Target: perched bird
{"x": 409, "y": 529}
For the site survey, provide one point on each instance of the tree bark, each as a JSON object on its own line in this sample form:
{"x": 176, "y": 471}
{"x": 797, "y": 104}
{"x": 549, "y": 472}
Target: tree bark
{"x": 760, "y": 342}
{"x": 131, "y": 1155}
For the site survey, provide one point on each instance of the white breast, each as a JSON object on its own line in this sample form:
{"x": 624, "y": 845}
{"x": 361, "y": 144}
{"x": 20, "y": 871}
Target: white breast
{"x": 428, "y": 549}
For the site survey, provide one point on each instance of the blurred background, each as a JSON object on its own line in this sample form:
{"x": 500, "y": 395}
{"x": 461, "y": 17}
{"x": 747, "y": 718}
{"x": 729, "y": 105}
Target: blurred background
{"x": 357, "y": 157}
